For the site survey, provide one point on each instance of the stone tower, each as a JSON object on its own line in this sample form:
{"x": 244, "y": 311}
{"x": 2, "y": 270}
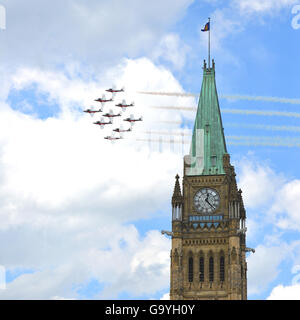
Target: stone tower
{"x": 208, "y": 256}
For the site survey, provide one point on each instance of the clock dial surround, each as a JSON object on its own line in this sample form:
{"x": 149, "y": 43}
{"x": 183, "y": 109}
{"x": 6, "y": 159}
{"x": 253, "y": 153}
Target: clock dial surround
{"x": 206, "y": 200}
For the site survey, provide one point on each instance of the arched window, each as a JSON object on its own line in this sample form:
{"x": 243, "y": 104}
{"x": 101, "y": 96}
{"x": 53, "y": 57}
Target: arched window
{"x": 191, "y": 269}
{"x": 201, "y": 269}
{"x": 222, "y": 268}
{"x": 211, "y": 269}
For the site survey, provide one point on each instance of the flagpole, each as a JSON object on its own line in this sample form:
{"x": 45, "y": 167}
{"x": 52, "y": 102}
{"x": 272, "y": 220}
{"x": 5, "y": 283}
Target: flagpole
{"x": 209, "y": 44}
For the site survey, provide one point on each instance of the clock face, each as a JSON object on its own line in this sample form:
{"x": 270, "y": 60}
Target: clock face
{"x": 206, "y": 200}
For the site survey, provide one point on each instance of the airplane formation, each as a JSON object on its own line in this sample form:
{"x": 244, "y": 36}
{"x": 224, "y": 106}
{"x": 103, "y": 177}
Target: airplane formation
{"x": 111, "y": 115}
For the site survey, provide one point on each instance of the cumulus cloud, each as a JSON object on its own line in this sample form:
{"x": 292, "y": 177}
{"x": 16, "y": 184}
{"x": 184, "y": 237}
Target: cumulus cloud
{"x": 262, "y": 6}
{"x": 285, "y": 206}
{"x": 68, "y": 196}
{"x": 145, "y": 266}
{"x": 173, "y": 50}
{"x": 166, "y": 296}
{"x": 272, "y": 193}
{"x": 270, "y": 199}
{"x": 258, "y": 182}
{"x": 128, "y": 264}
{"x": 224, "y": 24}
{"x": 263, "y": 266}
{"x": 281, "y": 292}
{"x": 96, "y": 32}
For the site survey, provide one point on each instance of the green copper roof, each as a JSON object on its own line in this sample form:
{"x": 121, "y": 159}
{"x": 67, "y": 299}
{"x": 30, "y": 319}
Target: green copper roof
{"x": 208, "y": 143}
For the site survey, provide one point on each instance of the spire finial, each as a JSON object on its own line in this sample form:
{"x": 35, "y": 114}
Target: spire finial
{"x": 177, "y": 196}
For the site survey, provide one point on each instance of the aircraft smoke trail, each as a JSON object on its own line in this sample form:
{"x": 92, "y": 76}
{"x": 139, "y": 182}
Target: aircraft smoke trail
{"x": 175, "y": 108}
{"x": 264, "y": 127}
{"x": 171, "y": 94}
{"x": 254, "y": 139}
{"x": 178, "y": 133}
{"x": 233, "y": 143}
{"x": 262, "y": 113}
{"x": 249, "y": 126}
{"x": 229, "y": 97}
{"x": 170, "y": 122}
{"x": 238, "y": 111}
{"x": 162, "y": 140}
{"x": 266, "y": 138}
{"x": 259, "y": 98}
{"x": 264, "y": 144}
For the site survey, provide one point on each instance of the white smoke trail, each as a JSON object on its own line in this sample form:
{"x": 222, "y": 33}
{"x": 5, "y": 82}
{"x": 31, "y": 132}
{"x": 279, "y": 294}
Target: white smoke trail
{"x": 229, "y": 97}
{"x": 255, "y": 139}
{"x": 170, "y": 122}
{"x": 162, "y": 140}
{"x": 264, "y": 127}
{"x": 172, "y": 94}
{"x": 175, "y": 108}
{"x": 264, "y": 144}
{"x": 238, "y": 111}
{"x": 249, "y": 126}
{"x": 259, "y": 98}
{"x": 262, "y": 113}
{"x": 265, "y": 138}
{"x": 233, "y": 143}
{"x": 176, "y": 133}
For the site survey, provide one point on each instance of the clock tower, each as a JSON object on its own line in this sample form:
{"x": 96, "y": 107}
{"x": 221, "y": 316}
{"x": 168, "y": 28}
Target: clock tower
{"x": 208, "y": 255}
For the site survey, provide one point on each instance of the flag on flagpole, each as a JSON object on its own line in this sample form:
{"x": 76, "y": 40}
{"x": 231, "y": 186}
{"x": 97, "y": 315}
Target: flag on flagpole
{"x": 206, "y": 28}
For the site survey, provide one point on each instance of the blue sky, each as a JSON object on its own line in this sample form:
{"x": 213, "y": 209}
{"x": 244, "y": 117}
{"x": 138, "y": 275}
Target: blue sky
{"x": 81, "y": 218}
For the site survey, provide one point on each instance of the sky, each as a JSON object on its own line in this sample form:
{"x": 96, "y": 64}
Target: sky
{"x": 81, "y": 217}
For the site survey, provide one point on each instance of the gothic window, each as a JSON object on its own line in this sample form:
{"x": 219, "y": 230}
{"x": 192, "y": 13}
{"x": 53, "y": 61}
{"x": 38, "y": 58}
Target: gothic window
{"x": 222, "y": 269}
{"x": 191, "y": 270}
{"x": 201, "y": 269}
{"x": 211, "y": 269}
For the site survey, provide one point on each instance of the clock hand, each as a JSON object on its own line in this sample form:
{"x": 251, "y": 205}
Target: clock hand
{"x": 209, "y": 202}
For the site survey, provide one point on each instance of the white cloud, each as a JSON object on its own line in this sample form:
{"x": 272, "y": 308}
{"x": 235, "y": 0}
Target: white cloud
{"x": 58, "y": 152}
{"x": 223, "y": 25}
{"x": 166, "y": 296}
{"x": 65, "y": 276}
{"x": 97, "y": 32}
{"x": 173, "y": 50}
{"x": 66, "y": 193}
{"x": 263, "y": 266}
{"x": 41, "y": 284}
{"x": 262, "y": 6}
{"x": 271, "y": 204}
{"x": 281, "y": 292}
{"x": 272, "y": 193}
{"x": 141, "y": 268}
{"x": 258, "y": 182}
{"x": 285, "y": 206}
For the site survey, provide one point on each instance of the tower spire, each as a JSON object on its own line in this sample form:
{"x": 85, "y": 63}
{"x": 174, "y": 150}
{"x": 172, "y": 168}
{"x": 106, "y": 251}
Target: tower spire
{"x": 177, "y": 196}
{"x": 208, "y": 142}
{"x": 177, "y": 201}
